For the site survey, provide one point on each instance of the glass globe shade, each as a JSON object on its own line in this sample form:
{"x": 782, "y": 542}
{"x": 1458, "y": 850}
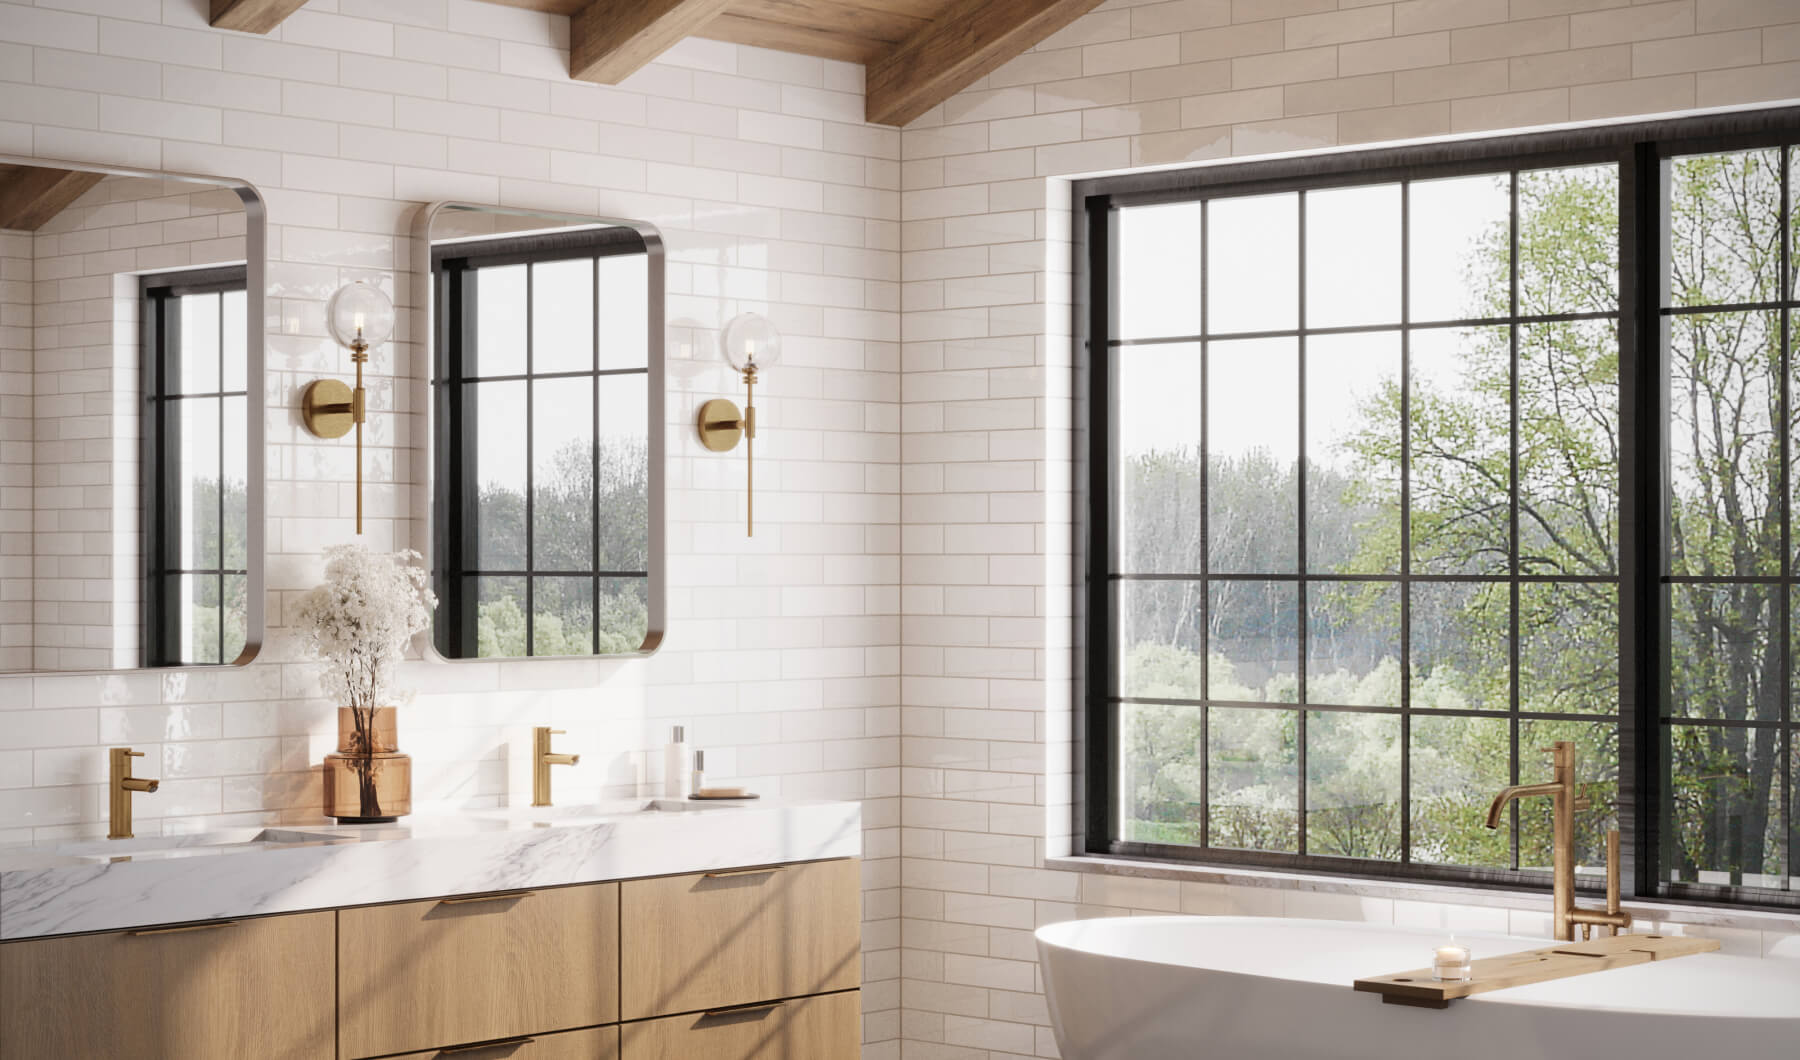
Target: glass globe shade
{"x": 360, "y": 311}
{"x": 750, "y": 341}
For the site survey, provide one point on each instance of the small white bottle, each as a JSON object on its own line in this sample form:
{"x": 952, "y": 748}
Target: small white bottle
{"x": 675, "y": 766}
{"x": 698, "y": 782}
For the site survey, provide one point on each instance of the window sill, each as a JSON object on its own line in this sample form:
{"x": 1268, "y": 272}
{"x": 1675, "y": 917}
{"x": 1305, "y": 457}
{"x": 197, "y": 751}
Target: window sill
{"x": 1660, "y": 912}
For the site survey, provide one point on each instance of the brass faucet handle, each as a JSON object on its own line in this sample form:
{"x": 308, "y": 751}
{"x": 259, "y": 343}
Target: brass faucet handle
{"x": 129, "y": 753}
{"x": 559, "y": 732}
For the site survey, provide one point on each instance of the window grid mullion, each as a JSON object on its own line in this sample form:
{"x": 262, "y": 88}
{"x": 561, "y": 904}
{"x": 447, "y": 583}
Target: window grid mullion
{"x": 1512, "y": 496}
{"x": 530, "y": 462}
{"x": 593, "y": 490}
{"x": 1406, "y": 836}
{"x": 1205, "y": 600}
{"x": 1300, "y": 595}
{"x": 220, "y": 493}
{"x": 1784, "y": 740}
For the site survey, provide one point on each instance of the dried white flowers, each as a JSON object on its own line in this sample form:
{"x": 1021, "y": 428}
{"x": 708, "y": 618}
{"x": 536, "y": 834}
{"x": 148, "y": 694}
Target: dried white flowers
{"x": 360, "y": 619}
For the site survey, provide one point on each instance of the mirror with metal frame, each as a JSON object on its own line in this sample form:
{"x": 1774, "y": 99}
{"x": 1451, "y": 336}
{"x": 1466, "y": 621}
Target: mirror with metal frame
{"x": 131, "y": 418}
{"x": 543, "y": 507}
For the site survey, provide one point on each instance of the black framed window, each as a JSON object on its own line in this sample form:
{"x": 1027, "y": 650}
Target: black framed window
{"x": 542, "y": 419}
{"x": 1397, "y": 466}
{"x": 194, "y": 453}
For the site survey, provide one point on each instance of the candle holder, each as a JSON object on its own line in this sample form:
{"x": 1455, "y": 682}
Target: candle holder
{"x": 1450, "y": 963}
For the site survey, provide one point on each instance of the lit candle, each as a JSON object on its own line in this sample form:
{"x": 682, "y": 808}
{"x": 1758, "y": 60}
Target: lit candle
{"x": 359, "y": 323}
{"x": 1450, "y": 962}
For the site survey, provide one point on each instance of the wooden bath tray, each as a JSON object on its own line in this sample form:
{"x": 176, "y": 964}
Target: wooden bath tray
{"x": 1532, "y": 966}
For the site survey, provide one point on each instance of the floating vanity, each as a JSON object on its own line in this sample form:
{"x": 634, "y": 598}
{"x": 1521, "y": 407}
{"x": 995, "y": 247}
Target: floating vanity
{"x": 643, "y": 931}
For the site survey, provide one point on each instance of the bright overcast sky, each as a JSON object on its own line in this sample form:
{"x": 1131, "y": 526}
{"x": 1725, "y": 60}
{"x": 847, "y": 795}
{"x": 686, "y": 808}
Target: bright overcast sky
{"x": 1353, "y": 278}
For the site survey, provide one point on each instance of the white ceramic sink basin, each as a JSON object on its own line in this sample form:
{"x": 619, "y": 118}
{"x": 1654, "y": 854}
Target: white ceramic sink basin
{"x": 224, "y": 841}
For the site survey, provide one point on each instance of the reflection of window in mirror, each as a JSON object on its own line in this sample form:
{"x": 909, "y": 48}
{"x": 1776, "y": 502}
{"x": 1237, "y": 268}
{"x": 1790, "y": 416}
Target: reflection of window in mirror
{"x": 541, "y": 389}
{"x": 194, "y": 448}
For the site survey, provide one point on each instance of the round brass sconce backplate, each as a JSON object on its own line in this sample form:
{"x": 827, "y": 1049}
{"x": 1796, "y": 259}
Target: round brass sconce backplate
{"x": 721, "y": 425}
{"x": 325, "y": 408}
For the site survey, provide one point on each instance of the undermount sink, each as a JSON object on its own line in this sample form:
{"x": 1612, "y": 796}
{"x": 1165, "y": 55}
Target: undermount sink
{"x": 230, "y": 840}
{"x": 598, "y": 811}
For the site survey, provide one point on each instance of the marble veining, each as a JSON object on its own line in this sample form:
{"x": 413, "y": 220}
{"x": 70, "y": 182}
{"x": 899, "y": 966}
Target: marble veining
{"x": 75, "y": 887}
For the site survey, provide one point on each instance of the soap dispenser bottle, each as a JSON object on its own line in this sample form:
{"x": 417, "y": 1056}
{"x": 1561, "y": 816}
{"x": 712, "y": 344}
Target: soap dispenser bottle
{"x": 675, "y": 766}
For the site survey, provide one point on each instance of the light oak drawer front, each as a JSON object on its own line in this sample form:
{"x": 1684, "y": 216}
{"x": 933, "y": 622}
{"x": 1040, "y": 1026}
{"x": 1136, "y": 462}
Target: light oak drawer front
{"x": 225, "y": 990}
{"x": 596, "y": 1043}
{"x": 810, "y": 1028}
{"x": 424, "y": 975}
{"x": 710, "y": 940}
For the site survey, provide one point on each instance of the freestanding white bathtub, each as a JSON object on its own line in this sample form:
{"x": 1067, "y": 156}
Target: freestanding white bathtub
{"x": 1248, "y": 988}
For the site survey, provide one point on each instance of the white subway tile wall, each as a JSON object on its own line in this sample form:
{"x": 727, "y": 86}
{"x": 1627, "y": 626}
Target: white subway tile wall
{"x": 986, "y": 403}
{"x": 898, "y": 629}
{"x": 16, "y": 450}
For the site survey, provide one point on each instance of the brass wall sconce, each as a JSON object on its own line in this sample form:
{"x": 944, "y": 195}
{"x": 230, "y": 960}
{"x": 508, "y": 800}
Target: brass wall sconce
{"x": 361, "y": 318}
{"x": 750, "y": 344}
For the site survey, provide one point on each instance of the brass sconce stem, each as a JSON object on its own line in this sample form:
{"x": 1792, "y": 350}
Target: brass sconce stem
{"x": 750, "y": 451}
{"x": 331, "y": 410}
{"x": 358, "y": 406}
{"x": 722, "y": 425}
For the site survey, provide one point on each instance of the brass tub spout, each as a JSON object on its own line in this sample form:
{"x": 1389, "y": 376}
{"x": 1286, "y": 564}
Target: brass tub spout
{"x": 1565, "y": 800}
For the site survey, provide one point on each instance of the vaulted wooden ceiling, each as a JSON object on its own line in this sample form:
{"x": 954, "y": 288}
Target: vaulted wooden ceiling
{"x": 31, "y": 195}
{"x": 918, "y": 52}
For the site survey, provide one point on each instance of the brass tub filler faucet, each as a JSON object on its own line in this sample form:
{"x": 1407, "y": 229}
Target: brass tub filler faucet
{"x": 121, "y": 786}
{"x": 1564, "y": 801}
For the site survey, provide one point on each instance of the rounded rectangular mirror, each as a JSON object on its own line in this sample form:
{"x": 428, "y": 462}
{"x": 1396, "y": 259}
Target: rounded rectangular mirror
{"x": 131, "y": 418}
{"x": 544, "y": 501}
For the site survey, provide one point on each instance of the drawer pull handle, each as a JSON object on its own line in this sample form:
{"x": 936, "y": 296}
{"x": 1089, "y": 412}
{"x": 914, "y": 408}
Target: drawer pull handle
{"x": 744, "y": 872}
{"x": 451, "y": 1050}
{"x": 733, "y": 1010}
{"x": 182, "y": 930}
{"x": 509, "y": 896}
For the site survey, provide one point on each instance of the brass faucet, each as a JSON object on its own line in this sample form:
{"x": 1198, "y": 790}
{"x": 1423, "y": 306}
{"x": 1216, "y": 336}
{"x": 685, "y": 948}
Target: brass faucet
{"x": 542, "y": 758}
{"x": 1564, "y": 802}
{"x": 122, "y": 785}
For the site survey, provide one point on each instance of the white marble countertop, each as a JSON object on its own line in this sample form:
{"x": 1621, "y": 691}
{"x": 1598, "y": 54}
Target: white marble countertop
{"x": 102, "y": 885}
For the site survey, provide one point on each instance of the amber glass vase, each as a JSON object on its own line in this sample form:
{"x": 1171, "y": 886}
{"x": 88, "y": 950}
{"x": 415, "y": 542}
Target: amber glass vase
{"x": 367, "y": 779}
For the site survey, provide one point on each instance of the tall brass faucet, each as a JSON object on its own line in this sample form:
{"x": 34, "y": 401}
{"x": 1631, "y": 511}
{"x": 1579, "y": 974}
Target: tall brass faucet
{"x": 121, "y": 786}
{"x": 542, "y": 758}
{"x": 1564, "y": 802}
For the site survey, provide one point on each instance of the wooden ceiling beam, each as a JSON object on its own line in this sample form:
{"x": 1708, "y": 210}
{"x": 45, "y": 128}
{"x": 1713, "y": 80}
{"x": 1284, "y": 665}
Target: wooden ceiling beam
{"x": 32, "y": 195}
{"x": 609, "y": 40}
{"x": 252, "y": 16}
{"x": 957, "y": 50}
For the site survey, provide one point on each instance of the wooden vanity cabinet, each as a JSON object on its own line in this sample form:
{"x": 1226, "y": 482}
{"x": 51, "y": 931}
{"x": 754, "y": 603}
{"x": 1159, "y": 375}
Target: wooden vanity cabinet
{"x": 732, "y": 965}
{"x": 709, "y": 940}
{"x": 426, "y": 975}
{"x": 826, "y": 1027}
{"x": 595, "y": 1043}
{"x": 221, "y": 990}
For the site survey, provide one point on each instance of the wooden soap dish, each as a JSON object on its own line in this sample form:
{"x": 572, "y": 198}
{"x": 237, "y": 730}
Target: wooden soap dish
{"x": 705, "y": 794}
{"x": 1532, "y": 966}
